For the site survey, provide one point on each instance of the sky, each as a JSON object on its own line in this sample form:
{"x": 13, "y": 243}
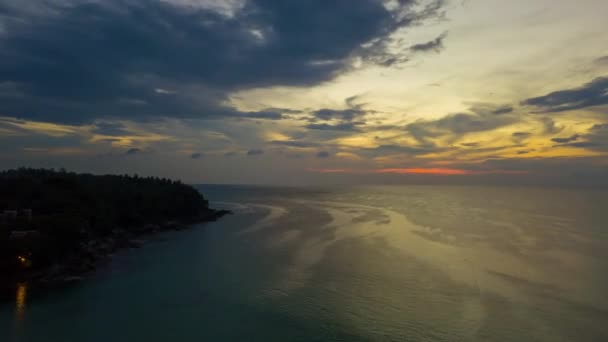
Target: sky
{"x": 307, "y": 92}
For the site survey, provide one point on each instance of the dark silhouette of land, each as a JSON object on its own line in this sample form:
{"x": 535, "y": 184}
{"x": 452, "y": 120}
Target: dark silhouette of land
{"x": 57, "y": 225}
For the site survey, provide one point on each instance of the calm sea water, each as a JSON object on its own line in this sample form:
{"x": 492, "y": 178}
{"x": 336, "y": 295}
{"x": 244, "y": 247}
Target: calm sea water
{"x": 412, "y": 263}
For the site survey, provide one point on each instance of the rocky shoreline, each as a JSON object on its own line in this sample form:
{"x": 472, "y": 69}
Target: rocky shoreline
{"x": 94, "y": 251}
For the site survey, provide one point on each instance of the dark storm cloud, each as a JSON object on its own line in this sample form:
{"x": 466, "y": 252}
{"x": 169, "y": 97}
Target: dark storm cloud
{"x": 594, "y": 93}
{"x": 255, "y": 152}
{"x": 323, "y": 154}
{"x": 483, "y": 117}
{"x": 74, "y": 61}
{"x": 196, "y": 155}
{"x": 435, "y": 45}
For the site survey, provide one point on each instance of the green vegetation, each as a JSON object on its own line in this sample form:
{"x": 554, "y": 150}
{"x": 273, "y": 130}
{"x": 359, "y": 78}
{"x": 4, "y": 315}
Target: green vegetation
{"x": 50, "y": 217}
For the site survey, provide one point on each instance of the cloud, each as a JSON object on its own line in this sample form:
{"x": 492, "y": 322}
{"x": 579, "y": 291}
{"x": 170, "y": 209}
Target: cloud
{"x": 602, "y": 60}
{"x": 482, "y": 108}
{"x": 549, "y": 126}
{"x": 133, "y": 151}
{"x": 294, "y": 143}
{"x": 435, "y": 45}
{"x": 323, "y": 154}
{"x": 387, "y": 51}
{"x": 109, "y": 128}
{"x": 196, "y": 155}
{"x": 583, "y": 144}
{"x": 596, "y": 139}
{"x": 227, "y": 8}
{"x": 330, "y": 170}
{"x": 503, "y": 110}
{"x": 76, "y": 61}
{"x": 594, "y": 93}
{"x": 255, "y": 152}
{"x": 483, "y": 117}
{"x": 269, "y": 114}
{"x": 520, "y": 136}
{"x": 348, "y": 126}
{"x": 349, "y": 114}
{"x": 566, "y": 140}
{"x": 432, "y": 171}
{"x": 348, "y": 119}
{"x": 446, "y": 171}
{"x": 164, "y": 91}
{"x": 414, "y": 150}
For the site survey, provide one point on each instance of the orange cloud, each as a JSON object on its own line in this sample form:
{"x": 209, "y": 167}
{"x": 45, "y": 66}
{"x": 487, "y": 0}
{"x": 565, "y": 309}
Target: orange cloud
{"x": 424, "y": 171}
{"x": 448, "y": 171}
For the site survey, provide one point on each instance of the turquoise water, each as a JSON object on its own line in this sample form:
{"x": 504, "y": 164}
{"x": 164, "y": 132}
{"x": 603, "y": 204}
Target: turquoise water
{"x": 412, "y": 263}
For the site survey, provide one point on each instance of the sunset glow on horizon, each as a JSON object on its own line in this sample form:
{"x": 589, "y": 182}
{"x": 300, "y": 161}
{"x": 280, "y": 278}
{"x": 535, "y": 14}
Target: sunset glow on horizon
{"x": 424, "y": 171}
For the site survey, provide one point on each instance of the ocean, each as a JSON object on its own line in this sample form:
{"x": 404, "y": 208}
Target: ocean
{"x": 367, "y": 263}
